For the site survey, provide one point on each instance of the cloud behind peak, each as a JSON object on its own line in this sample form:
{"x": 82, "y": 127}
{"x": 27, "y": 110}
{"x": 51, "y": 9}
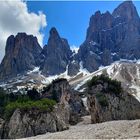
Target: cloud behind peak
{"x": 15, "y": 17}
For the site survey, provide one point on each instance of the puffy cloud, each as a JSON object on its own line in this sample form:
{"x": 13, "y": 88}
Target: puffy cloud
{"x": 15, "y": 17}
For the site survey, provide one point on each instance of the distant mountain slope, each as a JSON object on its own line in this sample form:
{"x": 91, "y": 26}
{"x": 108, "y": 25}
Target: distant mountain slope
{"x": 128, "y": 72}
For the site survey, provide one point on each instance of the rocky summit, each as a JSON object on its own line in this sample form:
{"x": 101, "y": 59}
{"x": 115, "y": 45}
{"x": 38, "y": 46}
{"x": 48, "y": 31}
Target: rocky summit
{"x": 56, "y": 54}
{"x": 111, "y": 37}
{"x": 21, "y": 55}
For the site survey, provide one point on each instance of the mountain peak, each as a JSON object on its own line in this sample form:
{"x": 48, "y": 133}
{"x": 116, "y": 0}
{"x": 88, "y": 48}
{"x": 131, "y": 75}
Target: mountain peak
{"x": 21, "y": 55}
{"x": 127, "y": 10}
{"x": 98, "y": 13}
{"x": 53, "y": 32}
{"x": 57, "y": 54}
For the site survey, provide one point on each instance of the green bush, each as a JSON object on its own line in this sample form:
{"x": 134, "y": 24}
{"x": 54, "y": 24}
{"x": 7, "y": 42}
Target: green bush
{"x": 102, "y": 99}
{"x": 26, "y": 104}
{"x": 99, "y": 79}
{"x": 114, "y": 86}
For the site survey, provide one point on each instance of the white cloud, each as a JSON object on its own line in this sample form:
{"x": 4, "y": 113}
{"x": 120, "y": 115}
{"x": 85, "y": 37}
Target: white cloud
{"x": 14, "y": 18}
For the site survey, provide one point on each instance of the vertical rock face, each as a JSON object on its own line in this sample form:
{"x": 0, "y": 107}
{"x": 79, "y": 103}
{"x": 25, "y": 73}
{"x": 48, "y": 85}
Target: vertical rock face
{"x": 34, "y": 122}
{"x": 111, "y": 37}
{"x": 56, "y": 54}
{"x": 107, "y": 101}
{"x": 61, "y": 91}
{"x": 127, "y": 11}
{"x": 58, "y": 90}
{"x": 129, "y": 44}
{"x": 21, "y": 55}
{"x": 125, "y": 107}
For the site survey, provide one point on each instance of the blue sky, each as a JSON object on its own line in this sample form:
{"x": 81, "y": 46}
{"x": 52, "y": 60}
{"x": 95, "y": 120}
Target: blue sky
{"x": 71, "y": 18}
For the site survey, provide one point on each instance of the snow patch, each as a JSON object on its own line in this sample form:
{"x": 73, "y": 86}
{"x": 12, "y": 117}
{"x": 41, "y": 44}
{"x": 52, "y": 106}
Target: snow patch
{"x": 49, "y": 79}
{"x": 117, "y": 16}
{"x": 113, "y": 54}
{"x": 74, "y": 49}
{"x": 137, "y": 93}
{"x": 85, "y": 102}
{"x": 82, "y": 90}
{"x": 73, "y": 62}
{"x": 93, "y": 43}
{"x": 36, "y": 69}
{"x": 82, "y": 69}
{"x": 91, "y": 52}
{"x": 20, "y": 87}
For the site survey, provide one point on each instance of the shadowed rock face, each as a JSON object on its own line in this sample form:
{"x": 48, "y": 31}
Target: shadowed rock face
{"x": 34, "y": 122}
{"x": 56, "y": 54}
{"x": 20, "y": 55}
{"x": 61, "y": 91}
{"x": 111, "y": 37}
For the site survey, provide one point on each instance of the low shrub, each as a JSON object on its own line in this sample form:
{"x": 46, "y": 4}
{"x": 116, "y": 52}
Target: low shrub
{"x": 27, "y": 104}
{"x": 102, "y": 99}
{"x": 114, "y": 86}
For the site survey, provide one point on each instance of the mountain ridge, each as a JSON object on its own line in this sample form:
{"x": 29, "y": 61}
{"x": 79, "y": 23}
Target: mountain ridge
{"x": 110, "y": 37}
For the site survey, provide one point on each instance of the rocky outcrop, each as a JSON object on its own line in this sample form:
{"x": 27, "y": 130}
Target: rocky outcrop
{"x": 106, "y": 103}
{"x": 74, "y": 66}
{"x": 124, "y": 108}
{"x": 56, "y": 54}
{"x": 61, "y": 91}
{"x": 77, "y": 108}
{"x": 58, "y": 90}
{"x": 21, "y": 55}
{"x": 34, "y": 122}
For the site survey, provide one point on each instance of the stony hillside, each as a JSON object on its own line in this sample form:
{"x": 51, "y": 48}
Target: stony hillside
{"x": 125, "y": 71}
